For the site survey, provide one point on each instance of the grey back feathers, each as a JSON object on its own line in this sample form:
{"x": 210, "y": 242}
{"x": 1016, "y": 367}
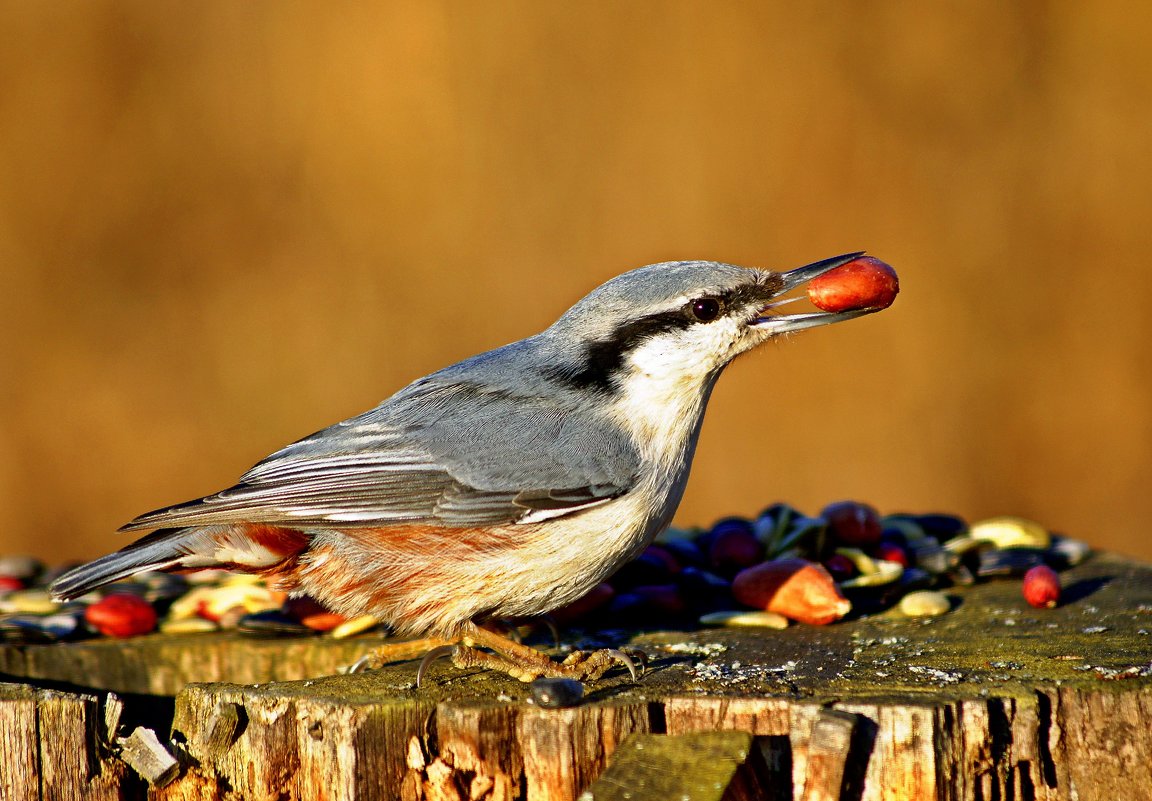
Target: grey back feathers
{"x": 510, "y": 435}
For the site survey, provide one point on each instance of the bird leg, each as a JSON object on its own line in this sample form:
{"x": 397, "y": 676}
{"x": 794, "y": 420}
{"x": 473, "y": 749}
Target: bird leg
{"x": 524, "y": 663}
{"x": 504, "y": 655}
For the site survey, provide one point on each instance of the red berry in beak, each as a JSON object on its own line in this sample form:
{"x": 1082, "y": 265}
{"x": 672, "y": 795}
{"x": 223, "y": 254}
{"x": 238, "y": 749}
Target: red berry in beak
{"x": 864, "y": 283}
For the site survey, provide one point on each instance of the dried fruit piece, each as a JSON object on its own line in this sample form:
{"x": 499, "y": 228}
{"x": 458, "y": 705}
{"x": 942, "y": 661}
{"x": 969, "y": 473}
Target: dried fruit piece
{"x": 853, "y": 523}
{"x": 864, "y": 283}
{"x": 796, "y": 588}
{"x": 1042, "y": 587}
{"x": 121, "y": 615}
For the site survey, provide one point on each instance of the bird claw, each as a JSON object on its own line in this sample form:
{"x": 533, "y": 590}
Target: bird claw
{"x": 367, "y": 662}
{"x": 579, "y": 665}
{"x": 432, "y": 656}
{"x": 591, "y": 666}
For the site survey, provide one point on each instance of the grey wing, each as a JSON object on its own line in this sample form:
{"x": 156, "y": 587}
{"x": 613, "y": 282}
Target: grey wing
{"x": 447, "y": 454}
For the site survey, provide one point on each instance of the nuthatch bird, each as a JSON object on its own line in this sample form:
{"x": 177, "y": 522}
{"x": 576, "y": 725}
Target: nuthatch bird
{"x": 504, "y": 486}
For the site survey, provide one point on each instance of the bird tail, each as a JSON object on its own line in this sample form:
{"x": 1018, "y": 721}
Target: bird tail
{"x": 246, "y": 547}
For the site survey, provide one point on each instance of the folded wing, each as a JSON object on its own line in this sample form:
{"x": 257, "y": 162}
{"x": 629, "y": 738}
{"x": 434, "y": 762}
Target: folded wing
{"x": 445, "y": 453}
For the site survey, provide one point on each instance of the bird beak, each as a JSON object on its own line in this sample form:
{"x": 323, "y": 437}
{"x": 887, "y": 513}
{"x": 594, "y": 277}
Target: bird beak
{"x": 787, "y": 323}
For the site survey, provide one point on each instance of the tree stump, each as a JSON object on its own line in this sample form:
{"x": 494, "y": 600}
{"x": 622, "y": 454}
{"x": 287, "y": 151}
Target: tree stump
{"x": 992, "y": 700}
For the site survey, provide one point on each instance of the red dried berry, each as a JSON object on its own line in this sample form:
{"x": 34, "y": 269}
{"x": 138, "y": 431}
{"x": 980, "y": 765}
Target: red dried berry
{"x": 1042, "y": 587}
{"x": 864, "y": 283}
{"x": 853, "y": 523}
{"x": 121, "y": 614}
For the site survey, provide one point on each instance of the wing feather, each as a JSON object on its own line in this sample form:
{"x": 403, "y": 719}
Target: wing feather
{"x": 444, "y": 454}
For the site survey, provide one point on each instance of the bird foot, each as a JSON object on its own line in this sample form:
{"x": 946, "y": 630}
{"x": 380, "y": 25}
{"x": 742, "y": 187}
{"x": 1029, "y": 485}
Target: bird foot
{"x": 580, "y": 665}
{"x": 527, "y": 664}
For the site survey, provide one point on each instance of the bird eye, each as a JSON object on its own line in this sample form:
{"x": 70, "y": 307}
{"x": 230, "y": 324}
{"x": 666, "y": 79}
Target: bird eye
{"x": 705, "y": 309}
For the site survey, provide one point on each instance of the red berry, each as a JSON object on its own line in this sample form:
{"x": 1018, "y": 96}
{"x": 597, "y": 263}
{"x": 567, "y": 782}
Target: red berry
{"x": 864, "y": 283}
{"x": 853, "y": 523}
{"x": 11, "y": 583}
{"x": 1042, "y": 587}
{"x": 891, "y": 552}
{"x": 121, "y": 614}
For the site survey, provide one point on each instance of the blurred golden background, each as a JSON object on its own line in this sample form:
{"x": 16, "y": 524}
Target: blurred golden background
{"x": 226, "y": 225}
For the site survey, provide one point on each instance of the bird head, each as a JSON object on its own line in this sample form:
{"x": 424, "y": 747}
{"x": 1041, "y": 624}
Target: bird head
{"x": 681, "y": 321}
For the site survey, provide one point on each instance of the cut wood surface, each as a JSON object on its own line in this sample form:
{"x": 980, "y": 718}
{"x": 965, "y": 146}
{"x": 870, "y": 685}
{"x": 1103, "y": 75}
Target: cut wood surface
{"x": 993, "y": 700}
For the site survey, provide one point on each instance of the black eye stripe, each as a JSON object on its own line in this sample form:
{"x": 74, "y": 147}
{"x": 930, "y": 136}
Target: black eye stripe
{"x": 602, "y": 359}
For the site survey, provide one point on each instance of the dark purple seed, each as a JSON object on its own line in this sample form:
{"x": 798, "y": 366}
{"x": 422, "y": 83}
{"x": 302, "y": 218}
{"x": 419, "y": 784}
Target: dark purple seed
{"x": 686, "y": 552}
{"x": 704, "y": 591}
{"x": 892, "y": 535}
{"x": 661, "y": 552}
{"x": 737, "y": 523}
{"x": 628, "y": 609}
{"x": 914, "y": 578}
{"x": 584, "y": 607}
{"x": 840, "y": 567}
{"x": 273, "y": 623}
{"x": 853, "y": 523}
{"x": 551, "y": 693}
{"x": 733, "y": 549}
{"x": 941, "y": 526}
{"x": 721, "y": 526}
{"x": 662, "y": 599}
{"x": 928, "y": 554}
{"x": 1008, "y": 561}
{"x": 778, "y": 510}
{"x": 647, "y": 568}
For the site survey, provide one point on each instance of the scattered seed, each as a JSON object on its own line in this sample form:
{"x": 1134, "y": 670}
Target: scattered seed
{"x": 925, "y": 603}
{"x": 1011, "y": 532}
{"x": 765, "y": 620}
{"x": 357, "y": 625}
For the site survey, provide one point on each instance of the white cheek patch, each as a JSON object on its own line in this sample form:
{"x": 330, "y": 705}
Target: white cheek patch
{"x": 687, "y": 355}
